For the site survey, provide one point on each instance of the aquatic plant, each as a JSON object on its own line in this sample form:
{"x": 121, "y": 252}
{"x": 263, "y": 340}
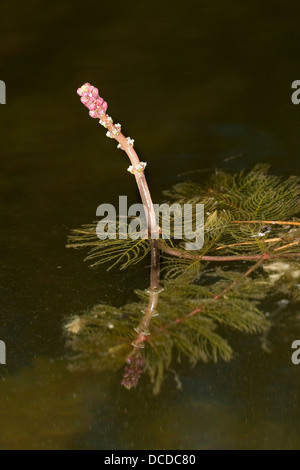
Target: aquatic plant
{"x": 249, "y": 218}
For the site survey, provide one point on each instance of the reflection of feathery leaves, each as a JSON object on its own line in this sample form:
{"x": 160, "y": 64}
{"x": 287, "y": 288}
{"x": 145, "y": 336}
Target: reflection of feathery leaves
{"x": 182, "y": 269}
{"x": 105, "y": 335}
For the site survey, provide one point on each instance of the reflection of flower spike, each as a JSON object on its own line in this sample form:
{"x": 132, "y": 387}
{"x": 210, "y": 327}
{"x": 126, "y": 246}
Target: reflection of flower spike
{"x": 133, "y": 370}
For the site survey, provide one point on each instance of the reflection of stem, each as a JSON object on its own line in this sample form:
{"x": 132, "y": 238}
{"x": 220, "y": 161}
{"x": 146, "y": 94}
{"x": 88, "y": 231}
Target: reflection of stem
{"x": 234, "y": 283}
{"x": 143, "y": 328}
{"x": 135, "y": 360}
{"x": 155, "y": 266}
{"x": 216, "y": 297}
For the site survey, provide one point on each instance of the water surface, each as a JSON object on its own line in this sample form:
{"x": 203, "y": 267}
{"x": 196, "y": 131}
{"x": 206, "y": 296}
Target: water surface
{"x": 194, "y": 84}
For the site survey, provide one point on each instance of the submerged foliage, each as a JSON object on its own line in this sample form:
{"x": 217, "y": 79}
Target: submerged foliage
{"x": 251, "y": 236}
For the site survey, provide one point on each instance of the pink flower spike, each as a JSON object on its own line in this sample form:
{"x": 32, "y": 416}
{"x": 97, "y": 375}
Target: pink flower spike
{"x": 93, "y": 92}
{"x": 94, "y": 114}
{"x": 91, "y": 99}
{"x": 85, "y": 100}
{"x": 99, "y": 101}
{"x": 84, "y": 89}
{"x": 93, "y": 106}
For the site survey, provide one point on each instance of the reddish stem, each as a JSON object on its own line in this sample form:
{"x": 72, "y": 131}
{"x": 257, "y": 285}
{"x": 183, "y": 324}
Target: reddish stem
{"x": 140, "y": 178}
{"x": 216, "y": 297}
{"x": 182, "y": 254}
{"x": 272, "y": 222}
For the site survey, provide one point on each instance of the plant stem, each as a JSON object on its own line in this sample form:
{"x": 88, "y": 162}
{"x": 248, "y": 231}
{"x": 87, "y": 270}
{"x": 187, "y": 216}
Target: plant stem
{"x": 181, "y": 254}
{"x": 153, "y": 228}
{"x": 155, "y": 266}
{"x": 268, "y": 240}
{"x": 272, "y": 222}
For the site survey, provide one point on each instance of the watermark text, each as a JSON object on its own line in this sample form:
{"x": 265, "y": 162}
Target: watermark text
{"x": 179, "y": 222}
{"x": 2, "y": 352}
{"x": 2, "y": 92}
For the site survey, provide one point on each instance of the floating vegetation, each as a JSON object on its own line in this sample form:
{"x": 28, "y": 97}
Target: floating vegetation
{"x": 250, "y": 251}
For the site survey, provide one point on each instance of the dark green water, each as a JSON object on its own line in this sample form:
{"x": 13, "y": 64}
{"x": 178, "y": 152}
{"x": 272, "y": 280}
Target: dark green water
{"x": 193, "y": 83}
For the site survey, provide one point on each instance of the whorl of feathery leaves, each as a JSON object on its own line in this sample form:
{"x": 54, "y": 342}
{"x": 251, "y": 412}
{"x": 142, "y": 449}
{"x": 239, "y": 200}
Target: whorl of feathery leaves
{"x": 255, "y": 195}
